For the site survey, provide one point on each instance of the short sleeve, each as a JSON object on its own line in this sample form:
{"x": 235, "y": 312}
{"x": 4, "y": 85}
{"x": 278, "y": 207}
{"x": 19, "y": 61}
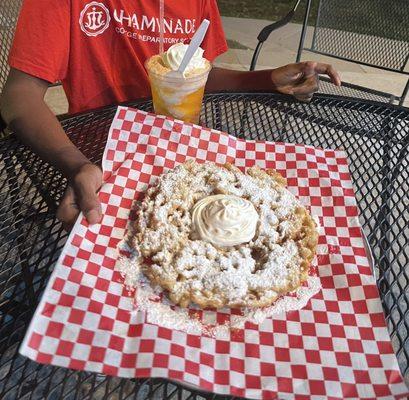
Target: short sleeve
{"x": 42, "y": 39}
{"x": 214, "y": 43}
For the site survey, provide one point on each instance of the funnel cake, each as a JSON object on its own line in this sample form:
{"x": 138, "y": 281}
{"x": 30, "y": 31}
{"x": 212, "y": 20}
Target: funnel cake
{"x": 194, "y": 268}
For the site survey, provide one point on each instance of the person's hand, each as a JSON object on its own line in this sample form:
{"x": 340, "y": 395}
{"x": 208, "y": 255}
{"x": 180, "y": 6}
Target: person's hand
{"x": 81, "y": 195}
{"x": 301, "y": 79}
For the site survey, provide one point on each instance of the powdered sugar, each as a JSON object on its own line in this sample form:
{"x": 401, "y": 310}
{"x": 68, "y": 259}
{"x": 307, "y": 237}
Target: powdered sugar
{"x": 192, "y": 269}
{"x": 159, "y": 310}
{"x": 163, "y": 247}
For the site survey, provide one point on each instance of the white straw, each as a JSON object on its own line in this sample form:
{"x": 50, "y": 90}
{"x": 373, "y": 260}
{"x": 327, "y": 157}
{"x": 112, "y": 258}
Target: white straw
{"x": 194, "y": 44}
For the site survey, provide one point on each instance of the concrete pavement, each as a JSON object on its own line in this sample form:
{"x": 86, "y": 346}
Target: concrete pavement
{"x": 281, "y": 48}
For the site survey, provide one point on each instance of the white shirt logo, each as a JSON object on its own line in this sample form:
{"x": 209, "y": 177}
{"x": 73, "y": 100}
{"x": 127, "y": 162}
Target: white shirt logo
{"x": 94, "y": 19}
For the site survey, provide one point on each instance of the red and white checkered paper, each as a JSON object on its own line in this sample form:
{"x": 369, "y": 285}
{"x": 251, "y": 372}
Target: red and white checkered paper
{"x": 337, "y": 347}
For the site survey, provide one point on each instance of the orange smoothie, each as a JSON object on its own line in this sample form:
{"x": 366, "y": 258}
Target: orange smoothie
{"x": 177, "y": 96}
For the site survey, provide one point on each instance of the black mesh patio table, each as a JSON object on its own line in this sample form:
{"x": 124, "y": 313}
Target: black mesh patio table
{"x": 375, "y": 136}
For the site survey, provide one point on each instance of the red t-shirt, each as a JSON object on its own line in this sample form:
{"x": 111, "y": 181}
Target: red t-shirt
{"x": 97, "y": 49}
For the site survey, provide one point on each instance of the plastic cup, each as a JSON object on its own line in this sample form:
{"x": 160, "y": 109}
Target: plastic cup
{"x": 177, "y": 96}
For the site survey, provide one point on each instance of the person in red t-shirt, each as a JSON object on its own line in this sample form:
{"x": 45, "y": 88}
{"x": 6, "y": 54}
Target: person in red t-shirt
{"x": 97, "y": 50}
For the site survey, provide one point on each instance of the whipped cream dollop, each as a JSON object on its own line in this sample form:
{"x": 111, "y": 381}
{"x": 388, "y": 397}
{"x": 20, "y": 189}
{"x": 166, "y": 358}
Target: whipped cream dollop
{"x": 224, "y": 220}
{"x": 174, "y": 55}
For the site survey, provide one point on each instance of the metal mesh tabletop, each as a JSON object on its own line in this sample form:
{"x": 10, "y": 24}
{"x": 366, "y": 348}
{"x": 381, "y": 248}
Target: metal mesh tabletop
{"x": 375, "y": 136}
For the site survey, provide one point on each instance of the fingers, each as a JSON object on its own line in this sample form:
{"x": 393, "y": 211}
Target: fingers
{"x": 306, "y": 90}
{"x": 305, "y": 98}
{"x": 68, "y": 211}
{"x": 330, "y": 71}
{"x": 88, "y": 202}
{"x": 83, "y": 199}
{"x": 81, "y": 195}
{"x": 313, "y": 68}
{"x": 86, "y": 184}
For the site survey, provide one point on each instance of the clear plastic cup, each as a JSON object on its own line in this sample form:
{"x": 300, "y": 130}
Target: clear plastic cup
{"x": 176, "y": 96}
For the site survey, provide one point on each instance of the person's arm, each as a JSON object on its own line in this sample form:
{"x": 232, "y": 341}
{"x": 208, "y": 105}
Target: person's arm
{"x": 24, "y": 110}
{"x": 221, "y": 79}
{"x": 299, "y": 79}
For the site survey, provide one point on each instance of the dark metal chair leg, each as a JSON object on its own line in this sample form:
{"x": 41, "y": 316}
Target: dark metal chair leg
{"x": 404, "y": 93}
{"x": 303, "y": 31}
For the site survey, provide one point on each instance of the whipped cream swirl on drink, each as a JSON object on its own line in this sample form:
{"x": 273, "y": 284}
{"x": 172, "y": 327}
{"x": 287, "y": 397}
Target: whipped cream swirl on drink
{"x": 224, "y": 220}
{"x": 174, "y": 55}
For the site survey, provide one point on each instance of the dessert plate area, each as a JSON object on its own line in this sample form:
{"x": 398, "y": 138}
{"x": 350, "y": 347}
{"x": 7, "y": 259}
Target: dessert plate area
{"x": 86, "y": 319}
